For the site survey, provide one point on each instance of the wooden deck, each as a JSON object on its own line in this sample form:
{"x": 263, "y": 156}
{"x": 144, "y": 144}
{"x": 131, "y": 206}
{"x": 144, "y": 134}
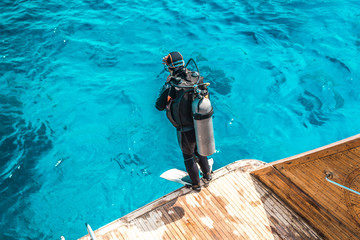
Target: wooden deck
{"x": 235, "y": 205}
{"x": 300, "y": 182}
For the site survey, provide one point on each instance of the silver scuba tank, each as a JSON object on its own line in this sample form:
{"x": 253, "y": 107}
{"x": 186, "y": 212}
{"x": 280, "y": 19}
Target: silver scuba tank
{"x": 204, "y": 131}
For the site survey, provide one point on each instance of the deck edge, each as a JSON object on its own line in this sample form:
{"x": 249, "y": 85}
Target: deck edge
{"x": 301, "y": 158}
{"x": 244, "y": 165}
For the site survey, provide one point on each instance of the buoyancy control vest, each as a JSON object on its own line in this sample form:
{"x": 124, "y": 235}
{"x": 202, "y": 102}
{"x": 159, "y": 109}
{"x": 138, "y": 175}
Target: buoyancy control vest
{"x": 179, "y": 109}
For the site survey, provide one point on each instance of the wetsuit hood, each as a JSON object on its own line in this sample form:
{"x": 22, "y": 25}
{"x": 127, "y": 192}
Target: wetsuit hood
{"x": 174, "y": 60}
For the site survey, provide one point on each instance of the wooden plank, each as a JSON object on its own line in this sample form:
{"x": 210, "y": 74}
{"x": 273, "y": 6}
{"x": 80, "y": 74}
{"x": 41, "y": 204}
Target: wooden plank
{"x": 118, "y": 235}
{"x": 162, "y": 212}
{"x": 237, "y": 220}
{"x": 222, "y": 216}
{"x": 115, "y": 236}
{"x": 178, "y": 221}
{"x": 176, "y": 229}
{"x": 345, "y": 162}
{"x": 147, "y": 221}
{"x": 154, "y": 225}
{"x": 277, "y": 208}
{"x": 243, "y": 213}
{"x": 229, "y": 208}
{"x": 225, "y": 219}
{"x": 210, "y": 221}
{"x": 241, "y": 182}
{"x": 285, "y": 216}
{"x": 171, "y": 226}
{"x": 235, "y": 216}
{"x": 331, "y": 195}
{"x": 303, "y": 204}
{"x": 189, "y": 221}
{"x": 168, "y": 227}
{"x": 178, "y": 216}
{"x": 354, "y": 151}
{"x": 257, "y": 215}
{"x": 163, "y": 225}
{"x": 111, "y": 236}
{"x": 144, "y": 230}
{"x": 334, "y": 148}
{"x": 214, "y": 213}
{"x": 320, "y": 190}
{"x": 105, "y": 236}
{"x": 122, "y": 231}
{"x": 244, "y": 165}
{"x": 199, "y": 212}
{"x": 322, "y": 193}
{"x": 201, "y": 231}
{"x": 155, "y": 204}
{"x": 257, "y": 204}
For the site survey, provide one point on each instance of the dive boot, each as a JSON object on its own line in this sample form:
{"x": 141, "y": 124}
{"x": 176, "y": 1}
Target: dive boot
{"x": 208, "y": 176}
{"x": 196, "y": 187}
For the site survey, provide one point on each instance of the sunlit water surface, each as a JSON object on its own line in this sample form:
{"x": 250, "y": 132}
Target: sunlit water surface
{"x": 80, "y": 138}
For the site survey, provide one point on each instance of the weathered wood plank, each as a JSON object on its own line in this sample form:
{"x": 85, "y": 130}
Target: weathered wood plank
{"x": 304, "y": 204}
{"x": 143, "y": 230}
{"x": 211, "y": 217}
{"x": 168, "y": 229}
{"x": 118, "y": 234}
{"x": 334, "y": 148}
{"x": 231, "y": 207}
{"x": 235, "y": 225}
{"x": 201, "y": 214}
{"x": 256, "y": 203}
{"x": 167, "y": 234}
{"x": 171, "y": 226}
{"x": 332, "y": 199}
{"x": 172, "y": 221}
{"x": 251, "y": 206}
{"x": 243, "y": 211}
{"x": 184, "y": 216}
{"x": 184, "y": 232}
{"x": 224, "y": 218}
{"x": 326, "y": 194}
{"x": 243, "y": 229}
{"x": 202, "y": 233}
{"x": 277, "y": 208}
{"x": 278, "y": 224}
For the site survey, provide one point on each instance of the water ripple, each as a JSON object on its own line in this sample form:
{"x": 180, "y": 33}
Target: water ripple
{"x": 78, "y": 81}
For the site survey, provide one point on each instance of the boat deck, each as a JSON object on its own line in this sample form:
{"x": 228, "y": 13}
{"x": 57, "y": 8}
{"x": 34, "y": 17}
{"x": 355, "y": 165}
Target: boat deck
{"x": 235, "y": 205}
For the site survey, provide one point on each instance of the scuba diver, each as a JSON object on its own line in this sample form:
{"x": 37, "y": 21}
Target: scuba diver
{"x": 186, "y": 100}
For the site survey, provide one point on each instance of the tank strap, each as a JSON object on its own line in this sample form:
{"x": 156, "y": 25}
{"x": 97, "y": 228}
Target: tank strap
{"x": 198, "y": 116}
{"x": 185, "y": 129}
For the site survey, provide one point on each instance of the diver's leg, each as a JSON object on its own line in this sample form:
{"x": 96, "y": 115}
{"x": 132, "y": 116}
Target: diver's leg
{"x": 204, "y": 165}
{"x": 187, "y": 145}
{"x": 192, "y": 169}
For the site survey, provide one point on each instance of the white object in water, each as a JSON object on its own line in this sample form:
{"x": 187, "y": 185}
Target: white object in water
{"x": 179, "y": 176}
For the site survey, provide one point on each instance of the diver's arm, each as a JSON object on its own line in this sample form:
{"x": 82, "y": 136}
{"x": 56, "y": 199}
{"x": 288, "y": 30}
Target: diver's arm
{"x": 163, "y": 97}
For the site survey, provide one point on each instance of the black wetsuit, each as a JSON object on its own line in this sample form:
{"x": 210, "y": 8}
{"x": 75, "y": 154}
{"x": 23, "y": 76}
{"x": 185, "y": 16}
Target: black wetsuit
{"x": 185, "y": 134}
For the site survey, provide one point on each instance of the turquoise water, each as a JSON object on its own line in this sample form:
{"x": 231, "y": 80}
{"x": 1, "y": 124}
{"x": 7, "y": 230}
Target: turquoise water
{"x": 80, "y": 138}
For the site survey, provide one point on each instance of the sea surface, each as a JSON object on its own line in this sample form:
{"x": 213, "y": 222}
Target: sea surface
{"x": 80, "y": 137}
